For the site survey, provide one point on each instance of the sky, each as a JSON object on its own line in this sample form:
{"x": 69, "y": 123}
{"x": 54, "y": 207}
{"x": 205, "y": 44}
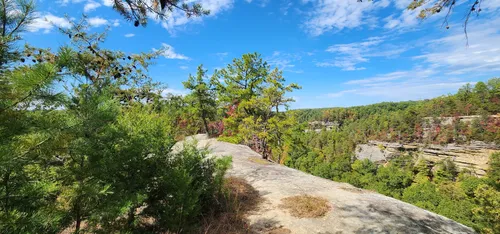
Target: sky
{"x": 342, "y": 52}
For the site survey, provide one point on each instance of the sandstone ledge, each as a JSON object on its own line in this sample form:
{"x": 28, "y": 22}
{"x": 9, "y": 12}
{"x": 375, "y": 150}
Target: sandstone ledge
{"x": 353, "y": 210}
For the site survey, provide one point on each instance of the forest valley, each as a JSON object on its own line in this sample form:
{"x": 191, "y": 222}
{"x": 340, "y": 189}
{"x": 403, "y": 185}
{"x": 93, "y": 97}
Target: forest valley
{"x": 86, "y": 140}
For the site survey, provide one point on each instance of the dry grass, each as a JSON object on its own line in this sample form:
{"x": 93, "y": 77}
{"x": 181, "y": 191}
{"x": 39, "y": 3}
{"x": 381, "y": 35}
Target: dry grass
{"x": 306, "y": 206}
{"x": 259, "y": 161}
{"x": 240, "y": 199}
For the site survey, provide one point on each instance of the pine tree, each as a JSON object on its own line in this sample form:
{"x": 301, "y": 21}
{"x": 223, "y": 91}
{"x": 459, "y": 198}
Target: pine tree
{"x": 203, "y": 97}
{"x": 139, "y": 11}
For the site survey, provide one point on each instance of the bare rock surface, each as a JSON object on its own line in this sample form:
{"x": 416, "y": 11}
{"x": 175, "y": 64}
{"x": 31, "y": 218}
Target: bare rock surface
{"x": 352, "y": 210}
{"x": 473, "y": 156}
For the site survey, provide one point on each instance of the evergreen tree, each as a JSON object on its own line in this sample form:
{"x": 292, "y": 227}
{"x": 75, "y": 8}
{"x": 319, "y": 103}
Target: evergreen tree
{"x": 203, "y": 97}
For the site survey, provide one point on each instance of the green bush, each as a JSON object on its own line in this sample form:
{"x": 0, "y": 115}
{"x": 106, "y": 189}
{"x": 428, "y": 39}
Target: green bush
{"x": 186, "y": 187}
{"x": 231, "y": 139}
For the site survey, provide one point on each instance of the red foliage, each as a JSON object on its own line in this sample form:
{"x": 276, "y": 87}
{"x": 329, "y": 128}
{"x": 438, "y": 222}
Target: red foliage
{"x": 493, "y": 125}
{"x": 419, "y": 132}
{"x": 216, "y": 128}
{"x": 231, "y": 109}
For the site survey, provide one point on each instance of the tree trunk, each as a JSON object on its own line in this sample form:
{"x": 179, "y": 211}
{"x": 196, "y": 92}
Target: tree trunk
{"x": 7, "y": 190}
{"x": 131, "y": 216}
{"x": 78, "y": 216}
{"x": 206, "y": 125}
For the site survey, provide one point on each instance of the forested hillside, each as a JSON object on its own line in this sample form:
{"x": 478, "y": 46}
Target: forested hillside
{"x": 405, "y": 121}
{"x": 439, "y": 187}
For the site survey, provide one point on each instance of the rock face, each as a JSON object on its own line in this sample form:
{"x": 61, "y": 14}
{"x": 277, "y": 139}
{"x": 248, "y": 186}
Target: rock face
{"x": 473, "y": 156}
{"x": 352, "y": 210}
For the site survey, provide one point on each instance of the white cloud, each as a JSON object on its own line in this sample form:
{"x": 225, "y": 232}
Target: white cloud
{"x": 348, "y": 56}
{"x": 415, "y": 84}
{"x": 407, "y": 18}
{"x": 177, "y": 92}
{"x": 491, "y": 5}
{"x": 285, "y": 7}
{"x": 261, "y": 3}
{"x": 337, "y": 15}
{"x": 341, "y": 93}
{"x": 284, "y": 61}
{"x": 116, "y": 23}
{"x": 97, "y": 21}
{"x": 107, "y": 3}
{"x": 402, "y": 91}
{"x": 417, "y": 73}
{"x": 402, "y": 4}
{"x": 170, "y": 53}
{"x": 184, "y": 67}
{"x": 90, "y": 6}
{"x": 129, "y": 35}
{"x": 47, "y": 22}
{"x": 65, "y": 2}
{"x": 445, "y": 65}
{"x": 222, "y": 55}
{"x": 451, "y": 55}
{"x": 178, "y": 18}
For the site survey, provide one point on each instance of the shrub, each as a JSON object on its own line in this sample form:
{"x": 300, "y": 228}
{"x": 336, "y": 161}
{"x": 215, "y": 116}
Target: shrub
{"x": 186, "y": 188}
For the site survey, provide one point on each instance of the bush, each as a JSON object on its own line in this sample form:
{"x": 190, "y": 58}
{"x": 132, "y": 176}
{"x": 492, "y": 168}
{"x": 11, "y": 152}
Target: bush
{"x": 231, "y": 139}
{"x": 186, "y": 187}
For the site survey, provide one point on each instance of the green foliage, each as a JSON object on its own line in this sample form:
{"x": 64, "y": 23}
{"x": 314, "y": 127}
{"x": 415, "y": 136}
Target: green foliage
{"x": 424, "y": 195}
{"x": 439, "y": 187}
{"x": 202, "y": 98}
{"x": 412, "y": 122}
{"x": 231, "y": 139}
{"x": 446, "y": 171}
{"x": 86, "y": 137}
{"x": 139, "y": 11}
{"x": 494, "y": 171}
{"x": 488, "y": 210}
{"x": 187, "y": 185}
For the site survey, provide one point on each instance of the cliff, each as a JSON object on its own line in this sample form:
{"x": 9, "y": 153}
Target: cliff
{"x": 473, "y": 156}
{"x": 351, "y": 210}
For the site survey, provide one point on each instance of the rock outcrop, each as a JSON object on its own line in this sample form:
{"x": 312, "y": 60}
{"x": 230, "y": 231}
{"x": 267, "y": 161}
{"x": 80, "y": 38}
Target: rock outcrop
{"x": 473, "y": 156}
{"x": 352, "y": 210}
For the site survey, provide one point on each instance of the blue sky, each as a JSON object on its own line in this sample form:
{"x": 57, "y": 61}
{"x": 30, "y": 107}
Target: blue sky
{"x": 341, "y": 52}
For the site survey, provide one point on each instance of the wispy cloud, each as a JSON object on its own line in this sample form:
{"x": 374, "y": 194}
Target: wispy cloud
{"x": 336, "y": 15}
{"x": 403, "y": 91}
{"x": 222, "y": 55}
{"x": 178, "y": 18}
{"x": 90, "y": 6}
{"x": 47, "y": 22}
{"x": 284, "y": 61}
{"x": 444, "y": 65}
{"x": 170, "y": 91}
{"x": 169, "y": 52}
{"x": 97, "y": 21}
{"x": 129, "y": 35}
{"x": 107, "y": 3}
{"x": 452, "y": 57}
{"x": 414, "y": 84}
{"x": 348, "y": 56}
{"x": 184, "y": 67}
